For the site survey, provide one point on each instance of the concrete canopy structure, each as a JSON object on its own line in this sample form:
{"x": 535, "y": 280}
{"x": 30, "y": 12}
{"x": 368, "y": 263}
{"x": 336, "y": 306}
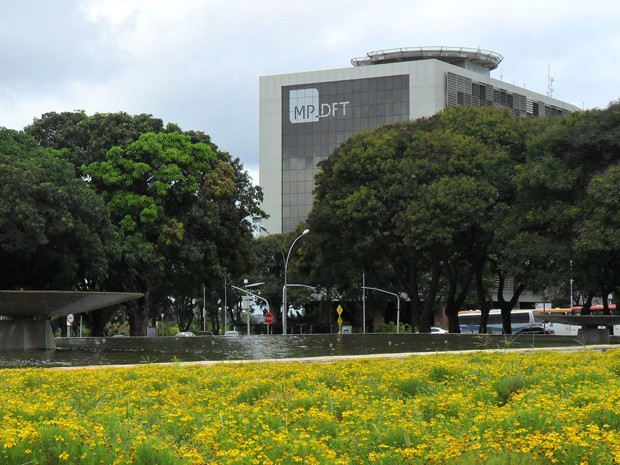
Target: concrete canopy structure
{"x": 30, "y": 312}
{"x": 33, "y": 304}
{"x": 593, "y": 327}
{"x": 305, "y": 116}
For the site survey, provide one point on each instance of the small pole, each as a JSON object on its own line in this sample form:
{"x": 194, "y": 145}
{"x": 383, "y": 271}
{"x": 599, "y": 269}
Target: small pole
{"x": 363, "y": 302}
{"x": 225, "y": 300}
{"x": 204, "y": 308}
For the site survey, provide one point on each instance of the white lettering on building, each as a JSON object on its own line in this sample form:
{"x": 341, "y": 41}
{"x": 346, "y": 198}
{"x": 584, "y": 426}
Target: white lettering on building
{"x": 304, "y": 106}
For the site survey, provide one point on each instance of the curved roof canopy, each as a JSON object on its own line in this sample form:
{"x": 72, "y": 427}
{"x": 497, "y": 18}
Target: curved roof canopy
{"x": 32, "y": 304}
{"x": 454, "y": 55}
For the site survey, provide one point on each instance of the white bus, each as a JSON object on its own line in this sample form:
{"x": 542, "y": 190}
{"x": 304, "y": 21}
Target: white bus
{"x": 469, "y": 320}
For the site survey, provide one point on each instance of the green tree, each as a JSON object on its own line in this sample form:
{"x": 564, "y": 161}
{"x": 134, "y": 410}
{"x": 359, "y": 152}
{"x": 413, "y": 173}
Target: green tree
{"x": 569, "y": 194}
{"x": 488, "y": 243}
{"x": 352, "y": 216}
{"x": 406, "y": 196}
{"x": 597, "y": 239}
{"x": 174, "y": 202}
{"x": 55, "y": 232}
{"x": 82, "y": 139}
{"x": 472, "y": 195}
{"x": 421, "y": 204}
{"x": 214, "y": 239}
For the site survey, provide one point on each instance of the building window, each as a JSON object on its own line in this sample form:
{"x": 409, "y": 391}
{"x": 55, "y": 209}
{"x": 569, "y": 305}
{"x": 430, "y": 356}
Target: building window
{"x": 461, "y": 90}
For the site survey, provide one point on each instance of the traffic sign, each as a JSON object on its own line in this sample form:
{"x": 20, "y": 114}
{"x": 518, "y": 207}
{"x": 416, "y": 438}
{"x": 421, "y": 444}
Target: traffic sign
{"x": 70, "y": 318}
{"x": 268, "y": 318}
{"x": 339, "y": 310}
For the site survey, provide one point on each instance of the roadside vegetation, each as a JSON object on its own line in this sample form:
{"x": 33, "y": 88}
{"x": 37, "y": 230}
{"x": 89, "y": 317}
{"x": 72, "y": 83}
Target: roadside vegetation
{"x": 464, "y": 409}
{"x": 469, "y": 208}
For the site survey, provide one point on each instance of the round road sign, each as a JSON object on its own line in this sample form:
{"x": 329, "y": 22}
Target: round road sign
{"x": 268, "y": 318}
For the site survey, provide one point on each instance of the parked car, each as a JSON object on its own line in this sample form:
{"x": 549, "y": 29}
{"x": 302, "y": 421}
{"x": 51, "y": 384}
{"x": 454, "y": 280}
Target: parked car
{"x": 231, "y": 333}
{"x": 534, "y": 329}
{"x": 185, "y": 334}
{"x": 438, "y": 330}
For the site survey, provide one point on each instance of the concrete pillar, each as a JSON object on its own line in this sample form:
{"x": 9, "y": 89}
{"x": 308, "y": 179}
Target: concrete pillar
{"x": 26, "y": 335}
{"x": 589, "y": 335}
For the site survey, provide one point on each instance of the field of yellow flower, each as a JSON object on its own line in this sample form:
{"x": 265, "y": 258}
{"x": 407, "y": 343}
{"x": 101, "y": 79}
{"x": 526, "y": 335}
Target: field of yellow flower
{"x": 493, "y": 408}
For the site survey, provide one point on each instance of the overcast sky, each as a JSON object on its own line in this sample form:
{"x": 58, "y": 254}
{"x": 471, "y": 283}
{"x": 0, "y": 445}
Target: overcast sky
{"x": 197, "y": 62}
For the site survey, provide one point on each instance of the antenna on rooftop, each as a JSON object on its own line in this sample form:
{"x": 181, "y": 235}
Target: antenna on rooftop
{"x": 549, "y": 82}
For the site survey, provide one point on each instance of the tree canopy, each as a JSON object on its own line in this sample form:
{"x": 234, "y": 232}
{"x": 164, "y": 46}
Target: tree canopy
{"x": 464, "y": 200}
{"x": 55, "y": 231}
{"x": 415, "y": 196}
{"x": 175, "y": 200}
{"x": 569, "y": 193}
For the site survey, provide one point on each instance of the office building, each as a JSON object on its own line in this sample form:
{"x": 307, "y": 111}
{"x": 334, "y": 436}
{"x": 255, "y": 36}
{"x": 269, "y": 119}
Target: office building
{"x": 305, "y": 116}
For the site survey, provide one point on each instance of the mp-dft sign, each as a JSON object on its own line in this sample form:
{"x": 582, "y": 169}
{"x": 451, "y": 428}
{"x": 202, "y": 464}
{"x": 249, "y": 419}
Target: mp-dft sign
{"x": 305, "y": 106}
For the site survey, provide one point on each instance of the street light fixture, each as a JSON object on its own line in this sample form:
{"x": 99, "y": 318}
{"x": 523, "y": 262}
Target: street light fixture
{"x": 284, "y": 292}
{"x": 277, "y": 242}
{"x": 397, "y": 304}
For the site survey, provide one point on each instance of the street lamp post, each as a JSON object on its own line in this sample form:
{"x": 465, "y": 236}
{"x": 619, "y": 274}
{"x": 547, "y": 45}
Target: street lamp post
{"x": 285, "y": 264}
{"x": 363, "y": 302}
{"x": 397, "y": 304}
{"x": 225, "y": 299}
{"x": 277, "y": 242}
{"x": 204, "y": 308}
{"x": 284, "y": 292}
{"x": 570, "y": 304}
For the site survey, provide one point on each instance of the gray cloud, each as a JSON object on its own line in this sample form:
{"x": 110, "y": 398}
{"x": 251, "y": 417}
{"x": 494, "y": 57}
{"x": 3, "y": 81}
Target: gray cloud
{"x": 47, "y": 45}
{"x": 197, "y": 63}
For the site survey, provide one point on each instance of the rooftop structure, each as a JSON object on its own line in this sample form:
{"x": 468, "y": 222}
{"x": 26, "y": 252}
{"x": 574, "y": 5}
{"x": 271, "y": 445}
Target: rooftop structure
{"x": 468, "y": 58}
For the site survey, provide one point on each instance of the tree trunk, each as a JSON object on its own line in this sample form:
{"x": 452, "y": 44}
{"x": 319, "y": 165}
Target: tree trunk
{"x": 427, "y": 317}
{"x": 100, "y": 318}
{"x": 138, "y": 314}
{"x": 454, "y": 301}
{"x": 184, "y": 312}
{"x": 485, "y": 306}
{"x": 605, "y": 293}
{"x": 586, "y": 308}
{"x": 507, "y": 306}
{"x": 411, "y": 285}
